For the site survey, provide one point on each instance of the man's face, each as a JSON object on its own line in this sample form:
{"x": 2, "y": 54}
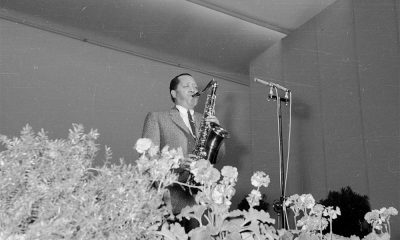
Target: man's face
{"x": 183, "y": 93}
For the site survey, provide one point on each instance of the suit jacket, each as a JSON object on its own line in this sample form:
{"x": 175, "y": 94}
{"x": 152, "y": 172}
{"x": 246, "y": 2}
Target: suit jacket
{"x": 168, "y": 128}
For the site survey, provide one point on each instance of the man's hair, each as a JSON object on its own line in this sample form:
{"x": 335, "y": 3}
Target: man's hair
{"x": 175, "y": 82}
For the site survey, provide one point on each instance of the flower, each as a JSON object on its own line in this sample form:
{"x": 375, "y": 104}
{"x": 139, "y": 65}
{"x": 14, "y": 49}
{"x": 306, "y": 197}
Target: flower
{"x": 229, "y": 173}
{"x": 312, "y": 223}
{"x": 372, "y": 216}
{"x": 318, "y": 210}
{"x": 204, "y": 172}
{"x": 154, "y": 151}
{"x": 379, "y": 219}
{"x": 196, "y": 166}
{"x": 292, "y": 199}
{"x": 142, "y": 145}
{"x": 63, "y": 194}
{"x": 392, "y": 211}
{"x": 174, "y": 154}
{"x": 144, "y": 164}
{"x": 254, "y": 198}
{"x": 331, "y": 212}
{"x": 385, "y": 213}
{"x": 178, "y": 229}
{"x": 307, "y": 201}
{"x": 218, "y": 194}
{"x": 260, "y": 179}
{"x": 160, "y": 169}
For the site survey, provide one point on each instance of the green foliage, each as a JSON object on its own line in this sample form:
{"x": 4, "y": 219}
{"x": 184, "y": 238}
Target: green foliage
{"x": 213, "y": 202}
{"x": 48, "y": 190}
{"x": 264, "y": 205}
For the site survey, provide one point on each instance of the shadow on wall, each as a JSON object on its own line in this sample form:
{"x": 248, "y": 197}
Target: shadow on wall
{"x": 236, "y": 150}
{"x": 301, "y": 110}
{"x": 301, "y": 116}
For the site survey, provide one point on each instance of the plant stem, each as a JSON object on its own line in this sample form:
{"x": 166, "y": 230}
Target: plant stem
{"x": 187, "y": 185}
{"x": 320, "y": 227}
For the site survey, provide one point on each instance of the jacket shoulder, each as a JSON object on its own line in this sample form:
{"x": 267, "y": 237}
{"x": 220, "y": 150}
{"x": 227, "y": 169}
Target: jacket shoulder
{"x": 158, "y": 114}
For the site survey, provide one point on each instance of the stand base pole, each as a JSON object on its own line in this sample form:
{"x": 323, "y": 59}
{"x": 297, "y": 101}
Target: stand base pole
{"x": 278, "y": 208}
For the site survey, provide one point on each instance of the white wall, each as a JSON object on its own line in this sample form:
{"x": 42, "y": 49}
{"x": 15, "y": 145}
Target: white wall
{"x": 343, "y": 69}
{"x": 51, "y": 81}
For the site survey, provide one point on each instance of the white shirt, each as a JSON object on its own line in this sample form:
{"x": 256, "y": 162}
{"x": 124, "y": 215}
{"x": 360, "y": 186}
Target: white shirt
{"x": 184, "y": 116}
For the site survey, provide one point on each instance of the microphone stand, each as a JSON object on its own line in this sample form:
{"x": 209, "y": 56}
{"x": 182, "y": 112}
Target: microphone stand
{"x": 278, "y": 204}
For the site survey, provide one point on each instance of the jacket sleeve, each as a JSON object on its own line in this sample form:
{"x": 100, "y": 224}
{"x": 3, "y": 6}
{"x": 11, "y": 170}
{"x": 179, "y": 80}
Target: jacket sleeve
{"x": 151, "y": 128}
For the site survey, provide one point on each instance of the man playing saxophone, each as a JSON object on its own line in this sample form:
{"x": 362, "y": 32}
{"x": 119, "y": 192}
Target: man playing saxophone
{"x": 179, "y": 127}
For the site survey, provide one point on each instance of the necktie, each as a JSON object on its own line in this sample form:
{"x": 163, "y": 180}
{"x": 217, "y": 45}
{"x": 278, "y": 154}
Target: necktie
{"x": 191, "y": 122}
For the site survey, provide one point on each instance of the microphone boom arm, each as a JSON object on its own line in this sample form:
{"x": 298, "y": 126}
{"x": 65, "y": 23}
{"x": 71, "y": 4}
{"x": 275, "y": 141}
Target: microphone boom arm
{"x": 271, "y": 84}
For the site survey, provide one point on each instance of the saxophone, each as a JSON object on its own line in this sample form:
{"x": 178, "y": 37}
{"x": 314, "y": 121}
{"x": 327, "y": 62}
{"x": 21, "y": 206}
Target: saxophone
{"x": 210, "y": 134}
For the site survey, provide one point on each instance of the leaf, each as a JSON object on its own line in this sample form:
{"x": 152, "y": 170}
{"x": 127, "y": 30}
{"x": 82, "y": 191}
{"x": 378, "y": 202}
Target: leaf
{"x": 234, "y": 236}
{"x": 179, "y": 231}
{"x": 195, "y": 211}
{"x": 254, "y": 227}
{"x": 233, "y": 225}
{"x": 200, "y": 233}
{"x": 235, "y": 213}
{"x": 268, "y": 232}
{"x": 261, "y": 216}
{"x": 27, "y": 130}
{"x": 247, "y": 235}
{"x": 166, "y": 232}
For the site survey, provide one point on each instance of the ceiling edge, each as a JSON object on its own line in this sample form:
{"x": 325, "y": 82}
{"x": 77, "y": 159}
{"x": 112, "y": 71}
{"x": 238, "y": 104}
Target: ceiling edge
{"x": 241, "y": 16}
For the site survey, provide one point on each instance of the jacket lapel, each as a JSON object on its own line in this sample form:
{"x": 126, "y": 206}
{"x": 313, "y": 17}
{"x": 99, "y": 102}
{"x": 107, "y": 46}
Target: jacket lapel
{"x": 198, "y": 118}
{"x": 176, "y": 118}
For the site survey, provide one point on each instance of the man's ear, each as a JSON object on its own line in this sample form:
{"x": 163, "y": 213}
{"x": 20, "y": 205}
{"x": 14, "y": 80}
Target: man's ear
{"x": 173, "y": 93}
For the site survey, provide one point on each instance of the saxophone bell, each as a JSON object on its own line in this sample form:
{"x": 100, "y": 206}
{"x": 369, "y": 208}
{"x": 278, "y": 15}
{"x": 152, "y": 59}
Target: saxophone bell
{"x": 214, "y": 141}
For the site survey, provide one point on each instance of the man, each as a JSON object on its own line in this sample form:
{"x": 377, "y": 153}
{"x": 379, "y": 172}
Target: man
{"x": 173, "y": 127}
{"x": 178, "y": 127}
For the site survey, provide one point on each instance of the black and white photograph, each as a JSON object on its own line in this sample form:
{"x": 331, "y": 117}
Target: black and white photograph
{"x": 200, "y": 119}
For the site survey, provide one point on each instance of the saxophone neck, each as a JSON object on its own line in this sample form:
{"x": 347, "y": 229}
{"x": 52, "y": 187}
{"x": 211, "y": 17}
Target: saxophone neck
{"x": 212, "y": 97}
{"x": 209, "y": 84}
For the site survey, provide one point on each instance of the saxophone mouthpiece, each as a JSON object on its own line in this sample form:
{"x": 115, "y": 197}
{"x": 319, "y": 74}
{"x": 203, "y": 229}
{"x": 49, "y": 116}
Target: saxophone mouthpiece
{"x": 196, "y": 94}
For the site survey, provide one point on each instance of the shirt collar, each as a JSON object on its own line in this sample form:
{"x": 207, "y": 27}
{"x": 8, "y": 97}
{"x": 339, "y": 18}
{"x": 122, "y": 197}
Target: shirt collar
{"x": 183, "y": 109}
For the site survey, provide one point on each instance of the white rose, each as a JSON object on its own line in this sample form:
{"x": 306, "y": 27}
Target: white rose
{"x": 229, "y": 172}
{"x": 218, "y": 195}
{"x": 142, "y": 145}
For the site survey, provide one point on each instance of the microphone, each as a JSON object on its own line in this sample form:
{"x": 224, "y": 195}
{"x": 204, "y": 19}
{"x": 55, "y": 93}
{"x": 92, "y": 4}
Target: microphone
{"x": 271, "y": 93}
{"x": 270, "y": 84}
